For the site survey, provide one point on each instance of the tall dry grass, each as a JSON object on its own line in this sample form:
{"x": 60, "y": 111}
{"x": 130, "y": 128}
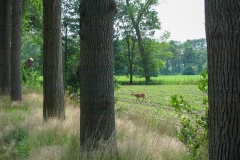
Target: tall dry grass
{"x": 24, "y": 135}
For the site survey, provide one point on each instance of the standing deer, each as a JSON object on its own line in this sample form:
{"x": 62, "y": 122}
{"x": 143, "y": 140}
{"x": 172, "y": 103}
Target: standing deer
{"x": 139, "y": 95}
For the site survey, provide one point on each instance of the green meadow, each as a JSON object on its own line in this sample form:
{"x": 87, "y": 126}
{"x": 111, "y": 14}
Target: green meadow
{"x": 162, "y": 80}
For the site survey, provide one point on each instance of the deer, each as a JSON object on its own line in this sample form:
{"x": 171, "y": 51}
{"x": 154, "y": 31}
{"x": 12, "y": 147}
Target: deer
{"x": 139, "y": 95}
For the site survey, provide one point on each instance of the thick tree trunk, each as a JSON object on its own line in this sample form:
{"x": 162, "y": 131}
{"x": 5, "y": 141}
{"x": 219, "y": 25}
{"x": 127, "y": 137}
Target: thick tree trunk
{"x": 16, "y": 92}
{"x": 5, "y": 48}
{"x": 1, "y": 44}
{"x": 223, "y": 40}
{"x": 96, "y": 75}
{"x": 53, "y": 87}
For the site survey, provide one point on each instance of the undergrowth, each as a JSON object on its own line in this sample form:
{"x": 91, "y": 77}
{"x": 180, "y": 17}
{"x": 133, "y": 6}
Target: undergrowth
{"x": 193, "y": 129}
{"x": 24, "y": 135}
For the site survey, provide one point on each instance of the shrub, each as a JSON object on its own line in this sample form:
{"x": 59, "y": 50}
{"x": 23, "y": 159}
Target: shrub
{"x": 31, "y": 77}
{"x": 189, "y": 71}
{"x": 193, "y": 130}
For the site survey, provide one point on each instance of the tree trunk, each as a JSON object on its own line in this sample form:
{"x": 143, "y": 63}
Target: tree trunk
{"x": 135, "y": 24}
{"x": 65, "y": 53}
{"x": 131, "y": 49}
{"x": 131, "y": 73}
{"x": 1, "y": 44}
{"x": 16, "y": 92}
{"x": 174, "y": 66}
{"x": 143, "y": 55}
{"x": 5, "y": 48}
{"x": 167, "y": 66}
{"x": 53, "y": 87}
{"x": 97, "y": 123}
{"x": 223, "y": 39}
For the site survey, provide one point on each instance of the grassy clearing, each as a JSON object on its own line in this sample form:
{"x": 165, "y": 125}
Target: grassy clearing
{"x": 163, "y": 80}
{"x": 145, "y": 130}
{"x": 157, "y": 97}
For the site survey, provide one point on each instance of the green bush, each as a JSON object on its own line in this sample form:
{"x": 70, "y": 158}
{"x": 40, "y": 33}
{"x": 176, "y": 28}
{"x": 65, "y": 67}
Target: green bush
{"x": 189, "y": 71}
{"x": 193, "y": 131}
{"x": 31, "y": 77}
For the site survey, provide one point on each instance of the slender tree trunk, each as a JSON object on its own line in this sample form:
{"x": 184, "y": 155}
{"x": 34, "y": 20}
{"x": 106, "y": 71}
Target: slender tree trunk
{"x": 130, "y": 67}
{"x": 131, "y": 73}
{"x": 5, "y": 47}
{"x": 174, "y": 70}
{"x": 167, "y": 66}
{"x": 97, "y": 121}
{"x": 223, "y": 46}
{"x": 178, "y": 67}
{"x": 130, "y": 57}
{"x": 53, "y": 87}
{"x": 16, "y": 92}
{"x": 143, "y": 55}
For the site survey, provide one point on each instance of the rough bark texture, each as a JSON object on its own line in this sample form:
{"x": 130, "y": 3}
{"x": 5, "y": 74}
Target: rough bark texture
{"x": 53, "y": 88}
{"x": 16, "y": 92}
{"x": 96, "y": 73}
{"x": 223, "y": 46}
{"x": 1, "y": 44}
{"x": 5, "y": 49}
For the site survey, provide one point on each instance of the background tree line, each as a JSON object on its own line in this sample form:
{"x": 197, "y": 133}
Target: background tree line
{"x": 173, "y": 57}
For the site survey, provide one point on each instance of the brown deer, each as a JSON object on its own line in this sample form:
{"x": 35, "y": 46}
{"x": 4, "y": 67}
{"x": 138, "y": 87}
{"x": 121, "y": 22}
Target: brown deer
{"x": 139, "y": 95}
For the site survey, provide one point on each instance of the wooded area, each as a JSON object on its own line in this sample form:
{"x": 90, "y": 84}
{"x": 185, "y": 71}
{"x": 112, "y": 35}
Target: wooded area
{"x": 79, "y": 45}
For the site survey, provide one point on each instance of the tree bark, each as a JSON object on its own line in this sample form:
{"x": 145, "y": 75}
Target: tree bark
{"x": 65, "y": 53}
{"x": 5, "y": 48}
{"x": 97, "y": 123}
{"x": 223, "y": 39}
{"x": 16, "y": 92}
{"x": 53, "y": 87}
{"x": 1, "y": 44}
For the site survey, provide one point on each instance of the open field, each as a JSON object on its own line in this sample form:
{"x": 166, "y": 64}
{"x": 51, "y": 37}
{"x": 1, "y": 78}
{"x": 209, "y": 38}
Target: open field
{"x": 163, "y": 80}
{"x": 157, "y": 97}
{"x": 145, "y": 129}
